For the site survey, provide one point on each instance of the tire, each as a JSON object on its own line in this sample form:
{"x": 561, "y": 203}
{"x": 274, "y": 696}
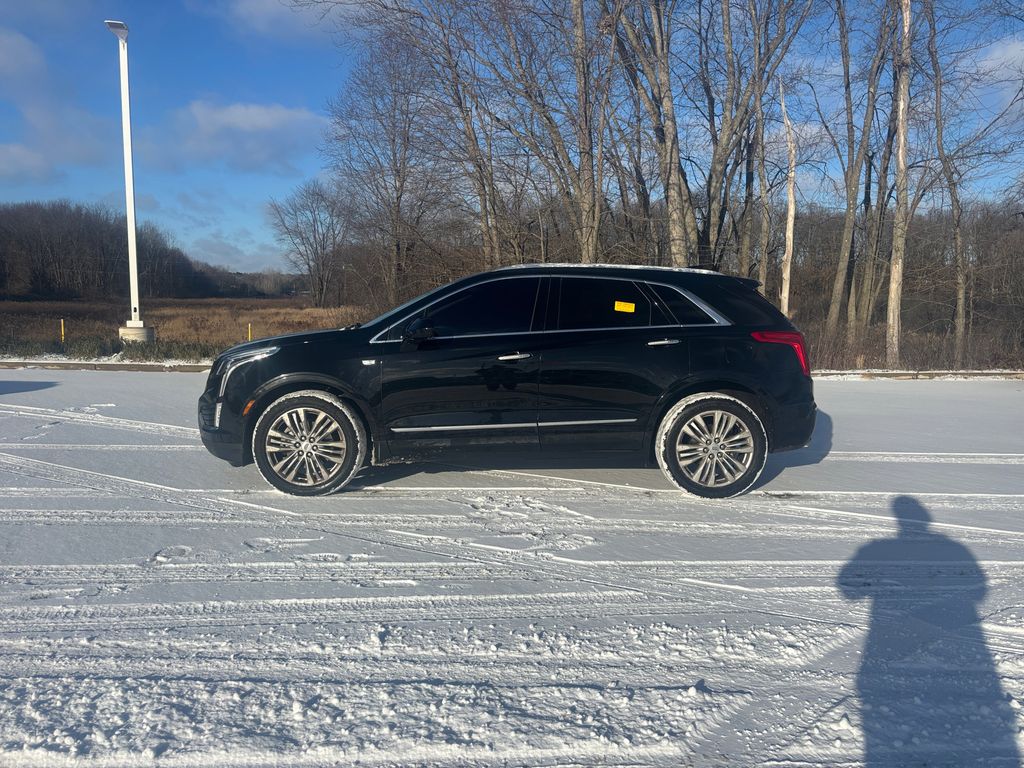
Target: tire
{"x": 711, "y": 445}
{"x": 308, "y": 443}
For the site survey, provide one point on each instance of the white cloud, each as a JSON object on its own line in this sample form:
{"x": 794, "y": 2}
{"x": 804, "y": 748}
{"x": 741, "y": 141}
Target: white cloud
{"x": 223, "y": 250}
{"x": 21, "y": 60}
{"x": 1005, "y": 58}
{"x": 273, "y": 18}
{"x": 53, "y": 132}
{"x": 242, "y": 137}
{"x": 53, "y": 14}
{"x": 144, "y": 202}
{"x": 20, "y": 163}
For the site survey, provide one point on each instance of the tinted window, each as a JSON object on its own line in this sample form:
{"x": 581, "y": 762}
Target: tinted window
{"x": 740, "y": 303}
{"x": 499, "y": 306}
{"x": 682, "y": 309}
{"x": 605, "y": 303}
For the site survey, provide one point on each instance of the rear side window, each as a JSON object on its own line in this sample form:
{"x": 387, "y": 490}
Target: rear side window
{"x": 498, "y": 306}
{"x": 742, "y": 304}
{"x": 682, "y": 309}
{"x": 605, "y": 303}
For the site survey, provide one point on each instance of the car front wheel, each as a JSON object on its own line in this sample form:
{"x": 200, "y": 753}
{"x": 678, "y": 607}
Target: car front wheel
{"x": 712, "y": 445}
{"x": 308, "y": 443}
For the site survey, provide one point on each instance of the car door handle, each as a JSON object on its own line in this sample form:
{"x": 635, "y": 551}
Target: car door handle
{"x": 662, "y": 342}
{"x": 514, "y": 356}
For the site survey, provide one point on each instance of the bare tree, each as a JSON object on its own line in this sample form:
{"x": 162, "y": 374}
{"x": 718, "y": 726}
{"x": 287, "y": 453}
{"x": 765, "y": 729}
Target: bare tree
{"x": 644, "y": 39}
{"x": 724, "y": 90}
{"x": 852, "y": 148}
{"x": 551, "y": 70}
{"x": 901, "y": 219}
{"x": 311, "y": 225}
{"x": 787, "y": 256}
{"x": 964, "y": 150}
{"x": 642, "y": 131}
{"x": 386, "y": 162}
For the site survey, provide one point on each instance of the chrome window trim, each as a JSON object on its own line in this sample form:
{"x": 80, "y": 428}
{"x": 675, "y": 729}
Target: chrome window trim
{"x": 577, "y": 265}
{"x": 717, "y": 318}
{"x": 517, "y": 425}
{"x": 703, "y": 306}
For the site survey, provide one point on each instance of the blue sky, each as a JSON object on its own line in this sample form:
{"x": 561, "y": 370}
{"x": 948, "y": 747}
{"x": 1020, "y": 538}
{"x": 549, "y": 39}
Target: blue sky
{"x": 228, "y": 105}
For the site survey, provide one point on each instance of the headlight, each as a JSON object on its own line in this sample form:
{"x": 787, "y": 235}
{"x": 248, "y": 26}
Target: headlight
{"x": 231, "y": 362}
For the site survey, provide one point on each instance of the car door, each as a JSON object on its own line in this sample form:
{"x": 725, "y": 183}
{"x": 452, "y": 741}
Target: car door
{"x": 476, "y": 380}
{"x": 612, "y": 350}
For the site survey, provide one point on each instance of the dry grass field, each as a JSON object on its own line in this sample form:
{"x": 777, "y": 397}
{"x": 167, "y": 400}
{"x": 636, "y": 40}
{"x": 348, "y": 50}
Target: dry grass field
{"x": 185, "y": 328}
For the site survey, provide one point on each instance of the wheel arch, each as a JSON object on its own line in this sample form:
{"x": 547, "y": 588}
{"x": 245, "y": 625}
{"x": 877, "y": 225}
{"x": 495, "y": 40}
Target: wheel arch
{"x": 278, "y": 387}
{"x": 746, "y": 392}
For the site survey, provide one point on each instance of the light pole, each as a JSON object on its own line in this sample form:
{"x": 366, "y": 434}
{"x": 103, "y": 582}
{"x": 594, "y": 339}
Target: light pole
{"x": 134, "y": 329}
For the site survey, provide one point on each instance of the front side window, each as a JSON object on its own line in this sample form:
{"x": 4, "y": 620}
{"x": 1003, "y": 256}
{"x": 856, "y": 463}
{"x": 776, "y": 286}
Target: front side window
{"x": 605, "y": 303}
{"x": 498, "y": 306}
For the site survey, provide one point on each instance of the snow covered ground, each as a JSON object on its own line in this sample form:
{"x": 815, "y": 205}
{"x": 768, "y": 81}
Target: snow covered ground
{"x": 159, "y": 607}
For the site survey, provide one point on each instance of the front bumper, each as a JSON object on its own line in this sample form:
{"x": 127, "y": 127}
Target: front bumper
{"x": 222, "y": 442}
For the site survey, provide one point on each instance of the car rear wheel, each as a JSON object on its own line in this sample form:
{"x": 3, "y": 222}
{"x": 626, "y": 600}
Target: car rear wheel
{"x": 712, "y": 445}
{"x": 308, "y": 443}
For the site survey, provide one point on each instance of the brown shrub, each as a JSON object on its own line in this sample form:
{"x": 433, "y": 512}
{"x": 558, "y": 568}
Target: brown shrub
{"x": 222, "y": 322}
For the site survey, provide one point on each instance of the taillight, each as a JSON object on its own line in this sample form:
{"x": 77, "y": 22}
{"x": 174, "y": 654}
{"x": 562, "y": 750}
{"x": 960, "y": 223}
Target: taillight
{"x": 793, "y": 339}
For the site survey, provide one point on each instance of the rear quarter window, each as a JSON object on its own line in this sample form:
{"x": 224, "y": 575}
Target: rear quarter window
{"x": 739, "y": 303}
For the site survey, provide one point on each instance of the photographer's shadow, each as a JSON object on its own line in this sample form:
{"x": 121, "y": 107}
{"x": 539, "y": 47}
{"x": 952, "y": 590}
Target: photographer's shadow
{"x": 929, "y": 691}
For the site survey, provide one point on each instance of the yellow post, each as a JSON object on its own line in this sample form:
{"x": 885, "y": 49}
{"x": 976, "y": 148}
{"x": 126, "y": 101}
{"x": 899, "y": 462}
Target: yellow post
{"x": 250, "y": 331}
{"x": 62, "y": 330}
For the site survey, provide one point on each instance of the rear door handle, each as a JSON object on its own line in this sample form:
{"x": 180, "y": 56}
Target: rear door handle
{"x": 662, "y": 342}
{"x": 515, "y": 356}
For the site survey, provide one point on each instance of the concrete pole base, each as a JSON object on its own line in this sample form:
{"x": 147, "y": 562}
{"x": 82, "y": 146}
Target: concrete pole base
{"x": 127, "y": 333}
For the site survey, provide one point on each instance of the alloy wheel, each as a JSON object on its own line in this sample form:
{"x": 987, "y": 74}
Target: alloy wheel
{"x": 305, "y": 446}
{"x": 714, "y": 448}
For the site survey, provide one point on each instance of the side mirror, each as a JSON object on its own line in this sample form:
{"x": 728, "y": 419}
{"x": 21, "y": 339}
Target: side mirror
{"x": 419, "y": 329}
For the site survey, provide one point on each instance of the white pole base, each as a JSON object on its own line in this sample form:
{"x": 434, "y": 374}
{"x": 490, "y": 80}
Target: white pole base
{"x": 136, "y": 332}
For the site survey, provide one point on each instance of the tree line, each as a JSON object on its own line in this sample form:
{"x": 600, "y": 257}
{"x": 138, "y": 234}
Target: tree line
{"x": 857, "y": 158}
{"x": 64, "y": 250}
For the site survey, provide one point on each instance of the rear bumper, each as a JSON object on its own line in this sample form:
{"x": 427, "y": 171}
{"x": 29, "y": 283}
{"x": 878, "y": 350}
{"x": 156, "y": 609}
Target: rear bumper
{"x": 793, "y": 426}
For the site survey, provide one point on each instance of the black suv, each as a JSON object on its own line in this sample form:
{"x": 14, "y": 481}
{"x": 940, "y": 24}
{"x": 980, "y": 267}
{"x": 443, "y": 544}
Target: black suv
{"x": 694, "y": 369}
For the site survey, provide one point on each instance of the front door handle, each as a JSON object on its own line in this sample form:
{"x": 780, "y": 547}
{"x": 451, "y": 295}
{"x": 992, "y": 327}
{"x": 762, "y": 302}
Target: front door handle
{"x": 662, "y": 342}
{"x": 514, "y": 356}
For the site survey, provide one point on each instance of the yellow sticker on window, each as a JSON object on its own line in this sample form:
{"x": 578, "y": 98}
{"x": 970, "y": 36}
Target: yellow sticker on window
{"x": 625, "y": 306}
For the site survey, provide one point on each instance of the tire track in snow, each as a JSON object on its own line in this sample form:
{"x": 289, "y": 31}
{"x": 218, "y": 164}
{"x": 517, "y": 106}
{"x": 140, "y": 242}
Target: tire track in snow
{"x": 54, "y": 576}
{"x": 412, "y": 608}
{"x": 136, "y": 489}
{"x": 730, "y": 598}
{"x": 196, "y": 516}
{"x": 665, "y": 588}
{"x": 56, "y": 492}
{"x": 98, "y": 420}
{"x": 438, "y": 545}
{"x": 499, "y": 668}
{"x": 925, "y": 458}
{"x": 26, "y": 446}
{"x": 95, "y": 516}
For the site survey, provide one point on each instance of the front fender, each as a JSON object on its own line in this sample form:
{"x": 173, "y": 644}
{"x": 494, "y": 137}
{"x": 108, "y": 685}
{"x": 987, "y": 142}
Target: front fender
{"x": 362, "y": 393}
